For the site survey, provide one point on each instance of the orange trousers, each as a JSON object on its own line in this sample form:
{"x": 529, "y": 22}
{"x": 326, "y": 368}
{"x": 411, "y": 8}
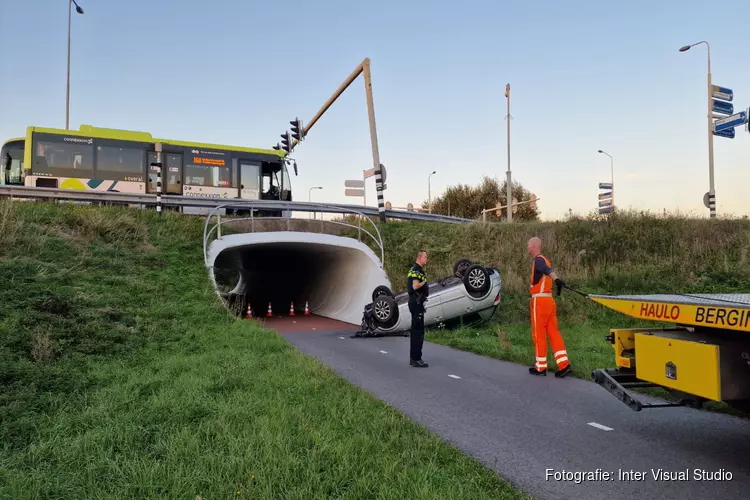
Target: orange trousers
{"x": 544, "y": 323}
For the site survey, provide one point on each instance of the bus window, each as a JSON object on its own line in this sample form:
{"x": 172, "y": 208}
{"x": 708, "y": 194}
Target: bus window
{"x": 11, "y": 166}
{"x": 64, "y": 159}
{"x": 120, "y": 164}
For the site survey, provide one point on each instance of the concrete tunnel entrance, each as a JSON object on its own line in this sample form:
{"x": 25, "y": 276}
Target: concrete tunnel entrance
{"x": 334, "y": 275}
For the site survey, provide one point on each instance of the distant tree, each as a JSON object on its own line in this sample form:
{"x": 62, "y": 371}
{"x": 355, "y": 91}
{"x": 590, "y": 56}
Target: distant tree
{"x": 469, "y": 201}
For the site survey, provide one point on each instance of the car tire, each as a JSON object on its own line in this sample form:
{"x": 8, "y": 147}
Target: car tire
{"x": 476, "y": 279}
{"x": 384, "y": 310}
{"x": 460, "y": 267}
{"x": 381, "y": 290}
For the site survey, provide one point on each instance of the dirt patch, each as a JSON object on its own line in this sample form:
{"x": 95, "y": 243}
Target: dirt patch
{"x": 54, "y": 305}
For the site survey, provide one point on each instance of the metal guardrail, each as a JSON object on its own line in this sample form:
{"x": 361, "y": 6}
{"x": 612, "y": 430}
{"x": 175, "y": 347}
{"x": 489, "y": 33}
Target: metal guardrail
{"x": 319, "y": 208}
{"x": 168, "y": 200}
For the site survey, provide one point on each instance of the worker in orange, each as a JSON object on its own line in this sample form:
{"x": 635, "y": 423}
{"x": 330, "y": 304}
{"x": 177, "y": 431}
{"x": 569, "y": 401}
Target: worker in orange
{"x": 544, "y": 313}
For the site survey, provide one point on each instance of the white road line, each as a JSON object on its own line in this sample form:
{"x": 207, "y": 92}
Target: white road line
{"x": 342, "y": 338}
{"x": 384, "y": 352}
{"x": 600, "y": 426}
{"x": 454, "y": 376}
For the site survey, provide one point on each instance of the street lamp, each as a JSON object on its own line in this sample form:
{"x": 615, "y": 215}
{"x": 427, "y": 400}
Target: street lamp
{"x": 429, "y": 194}
{"x": 67, "y": 87}
{"x": 612, "y": 174}
{"x": 711, "y": 192}
{"x": 309, "y": 198}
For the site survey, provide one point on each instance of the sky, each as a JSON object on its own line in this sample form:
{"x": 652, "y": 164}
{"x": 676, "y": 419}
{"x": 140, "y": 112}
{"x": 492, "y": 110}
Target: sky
{"x": 584, "y": 76}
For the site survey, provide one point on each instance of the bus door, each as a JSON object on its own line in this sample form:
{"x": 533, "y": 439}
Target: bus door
{"x": 249, "y": 180}
{"x": 171, "y": 173}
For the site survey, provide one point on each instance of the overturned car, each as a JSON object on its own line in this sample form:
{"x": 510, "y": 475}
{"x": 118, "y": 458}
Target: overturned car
{"x": 469, "y": 297}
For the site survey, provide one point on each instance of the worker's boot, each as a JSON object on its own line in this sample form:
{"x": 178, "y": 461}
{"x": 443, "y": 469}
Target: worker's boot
{"x": 565, "y": 371}
{"x": 534, "y": 371}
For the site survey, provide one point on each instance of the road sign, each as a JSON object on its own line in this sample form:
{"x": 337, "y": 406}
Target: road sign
{"x": 605, "y": 210}
{"x": 705, "y": 200}
{"x": 605, "y": 203}
{"x": 722, "y": 93}
{"x": 605, "y": 195}
{"x": 371, "y": 173}
{"x": 728, "y": 133}
{"x": 354, "y": 184}
{"x": 354, "y": 192}
{"x": 731, "y": 121}
{"x": 605, "y": 185}
{"x": 723, "y": 107}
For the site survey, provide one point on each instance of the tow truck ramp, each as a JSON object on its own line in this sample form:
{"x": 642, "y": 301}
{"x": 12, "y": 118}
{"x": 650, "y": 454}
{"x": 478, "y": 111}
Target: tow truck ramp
{"x": 705, "y": 356}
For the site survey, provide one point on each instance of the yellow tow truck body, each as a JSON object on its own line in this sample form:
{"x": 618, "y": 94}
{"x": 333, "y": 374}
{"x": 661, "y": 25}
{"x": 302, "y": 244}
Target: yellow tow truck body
{"x": 704, "y": 357}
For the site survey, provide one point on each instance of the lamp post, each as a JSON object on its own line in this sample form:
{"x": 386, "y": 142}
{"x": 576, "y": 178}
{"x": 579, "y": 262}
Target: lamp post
{"x": 67, "y": 86}
{"x": 709, "y": 115}
{"x": 429, "y": 194}
{"x": 612, "y": 175}
{"x": 309, "y": 197}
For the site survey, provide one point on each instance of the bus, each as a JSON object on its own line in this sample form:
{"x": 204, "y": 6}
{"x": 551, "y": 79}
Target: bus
{"x": 104, "y": 159}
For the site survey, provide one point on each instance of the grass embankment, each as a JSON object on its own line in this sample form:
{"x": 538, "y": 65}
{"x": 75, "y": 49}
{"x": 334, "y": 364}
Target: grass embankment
{"x": 122, "y": 377}
{"x": 628, "y": 254}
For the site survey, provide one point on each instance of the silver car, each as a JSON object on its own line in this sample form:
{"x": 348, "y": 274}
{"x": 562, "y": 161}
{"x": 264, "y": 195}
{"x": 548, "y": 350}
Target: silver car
{"x": 470, "y": 296}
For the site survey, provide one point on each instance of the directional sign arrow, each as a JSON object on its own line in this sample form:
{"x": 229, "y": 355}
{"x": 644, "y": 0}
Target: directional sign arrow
{"x": 722, "y": 93}
{"x": 354, "y": 184}
{"x": 728, "y": 133}
{"x": 730, "y": 121}
{"x": 605, "y": 185}
{"x": 354, "y": 192}
{"x": 722, "y": 107}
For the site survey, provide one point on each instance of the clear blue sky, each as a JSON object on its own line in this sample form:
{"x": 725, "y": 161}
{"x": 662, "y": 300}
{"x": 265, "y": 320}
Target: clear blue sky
{"x": 584, "y": 76}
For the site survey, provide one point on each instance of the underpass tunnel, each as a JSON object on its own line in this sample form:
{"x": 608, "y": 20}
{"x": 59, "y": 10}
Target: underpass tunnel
{"x": 334, "y": 275}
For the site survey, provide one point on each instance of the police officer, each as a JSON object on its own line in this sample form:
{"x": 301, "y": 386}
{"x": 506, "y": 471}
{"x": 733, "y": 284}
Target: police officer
{"x": 416, "y": 284}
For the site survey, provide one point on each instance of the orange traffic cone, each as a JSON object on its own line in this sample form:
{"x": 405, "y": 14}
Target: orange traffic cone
{"x": 291, "y": 309}
{"x": 270, "y": 313}
{"x": 307, "y": 309}
{"x": 249, "y": 314}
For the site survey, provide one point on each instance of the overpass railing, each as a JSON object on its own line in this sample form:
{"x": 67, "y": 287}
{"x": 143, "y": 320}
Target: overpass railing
{"x": 170, "y": 200}
{"x": 314, "y": 208}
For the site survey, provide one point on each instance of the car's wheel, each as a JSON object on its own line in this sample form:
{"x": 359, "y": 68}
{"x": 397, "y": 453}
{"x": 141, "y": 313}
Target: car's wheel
{"x": 384, "y": 309}
{"x": 476, "y": 279}
{"x": 460, "y": 267}
{"x": 381, "y": 290}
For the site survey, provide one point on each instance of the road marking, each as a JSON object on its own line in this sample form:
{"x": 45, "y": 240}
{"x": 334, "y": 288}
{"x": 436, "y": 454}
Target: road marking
{"x": 384, "y": 352}
{"x": 600, "y": 426}
{"x": 342, "y": 338}
{"x": 454, "y": 376}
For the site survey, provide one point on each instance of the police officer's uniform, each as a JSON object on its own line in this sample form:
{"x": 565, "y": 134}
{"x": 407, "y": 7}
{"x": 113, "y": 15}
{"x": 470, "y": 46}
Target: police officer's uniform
{"x": 417, "y": 310}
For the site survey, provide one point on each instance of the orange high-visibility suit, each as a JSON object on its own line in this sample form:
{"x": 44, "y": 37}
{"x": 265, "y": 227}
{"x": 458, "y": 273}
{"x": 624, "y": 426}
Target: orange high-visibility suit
{"x": 544, "y": 316}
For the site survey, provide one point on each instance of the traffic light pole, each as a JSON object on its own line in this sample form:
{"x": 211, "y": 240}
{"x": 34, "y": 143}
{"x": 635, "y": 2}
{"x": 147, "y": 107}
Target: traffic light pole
{"x": 363, "y": 67}
{"x": 374, "y": 139}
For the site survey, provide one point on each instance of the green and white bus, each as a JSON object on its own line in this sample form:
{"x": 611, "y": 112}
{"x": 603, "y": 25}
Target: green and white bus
{"x": 103, "y": 159}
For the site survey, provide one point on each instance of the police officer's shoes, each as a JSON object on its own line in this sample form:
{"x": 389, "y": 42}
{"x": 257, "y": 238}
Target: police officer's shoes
{"x": 534, "y": 371}
{"x": 419, "y": 363}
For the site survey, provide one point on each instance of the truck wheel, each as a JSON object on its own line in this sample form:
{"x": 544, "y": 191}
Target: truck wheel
{"x": 384, "y": 309}
{"x": 460, "y": 267}
{"x": 476, "y": 279}
{"x": 381, "y": 290}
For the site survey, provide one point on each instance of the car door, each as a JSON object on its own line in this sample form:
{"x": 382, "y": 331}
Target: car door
{"x": 434, "y": 307}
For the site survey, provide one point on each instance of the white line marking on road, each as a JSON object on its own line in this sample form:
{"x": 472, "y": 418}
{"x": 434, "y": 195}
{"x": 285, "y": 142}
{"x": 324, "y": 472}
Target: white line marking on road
{"x": 384, "y": 352}
{"x": 600, "y": 426}
{"x": 454, "y": 376}
{"x": 342, "y": 338}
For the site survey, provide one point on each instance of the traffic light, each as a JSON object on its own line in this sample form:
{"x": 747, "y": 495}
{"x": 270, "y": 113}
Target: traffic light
{"x": 286, "y": 142}
{"x": 298, "y": 131}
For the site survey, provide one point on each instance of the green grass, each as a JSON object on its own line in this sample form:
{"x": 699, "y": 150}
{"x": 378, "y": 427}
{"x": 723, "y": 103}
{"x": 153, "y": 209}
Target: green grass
{"x": 123, "y": 377}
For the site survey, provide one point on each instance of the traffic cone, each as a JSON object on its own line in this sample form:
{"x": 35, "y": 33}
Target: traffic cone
{"x": 270, "y": 313}
{"x": 249, "y": 314}
{"x": 307, "y": 309}
{"x": 291, "y": 309}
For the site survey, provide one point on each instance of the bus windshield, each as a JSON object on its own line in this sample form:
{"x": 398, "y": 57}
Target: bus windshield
{"x": 11, "y": 163}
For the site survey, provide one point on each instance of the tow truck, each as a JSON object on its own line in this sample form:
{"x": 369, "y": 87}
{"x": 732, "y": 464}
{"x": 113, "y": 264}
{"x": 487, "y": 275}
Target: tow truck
{"x": 704, "y": 357}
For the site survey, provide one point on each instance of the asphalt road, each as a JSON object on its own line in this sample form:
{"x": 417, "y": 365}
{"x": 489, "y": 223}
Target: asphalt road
{"x": 527, "y": 427}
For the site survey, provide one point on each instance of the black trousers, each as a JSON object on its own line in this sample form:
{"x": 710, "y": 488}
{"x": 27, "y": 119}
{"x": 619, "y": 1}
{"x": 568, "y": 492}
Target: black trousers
{"x": 416, "y": 333}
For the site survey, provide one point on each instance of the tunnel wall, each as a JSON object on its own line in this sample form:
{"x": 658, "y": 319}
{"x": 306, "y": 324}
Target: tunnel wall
{"x": 334, "y": 274}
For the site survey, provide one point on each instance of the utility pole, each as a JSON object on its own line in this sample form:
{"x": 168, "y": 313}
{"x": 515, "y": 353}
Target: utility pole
{"x": 509, "y": 187}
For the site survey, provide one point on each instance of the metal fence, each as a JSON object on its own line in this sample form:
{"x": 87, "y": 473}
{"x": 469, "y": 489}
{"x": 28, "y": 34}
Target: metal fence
{"x": 150, "y": 200}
